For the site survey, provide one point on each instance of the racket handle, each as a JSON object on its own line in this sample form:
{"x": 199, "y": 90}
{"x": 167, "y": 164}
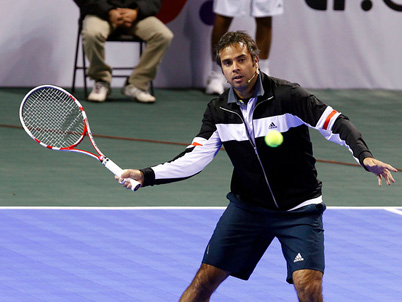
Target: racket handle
{"x": 116, "y": 170}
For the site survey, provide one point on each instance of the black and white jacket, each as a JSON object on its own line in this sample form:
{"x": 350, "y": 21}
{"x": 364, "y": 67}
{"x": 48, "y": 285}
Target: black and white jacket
{"x": 275, "y": 178}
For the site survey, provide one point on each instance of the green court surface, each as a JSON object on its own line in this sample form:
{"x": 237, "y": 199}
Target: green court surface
{"x": 137, "y": 135}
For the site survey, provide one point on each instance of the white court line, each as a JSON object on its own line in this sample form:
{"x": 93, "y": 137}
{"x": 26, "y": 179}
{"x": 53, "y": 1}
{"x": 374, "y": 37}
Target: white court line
{"x": 111, "y": 208}
{"x": 397, "y": 210}
{"x": 387, "y": 208}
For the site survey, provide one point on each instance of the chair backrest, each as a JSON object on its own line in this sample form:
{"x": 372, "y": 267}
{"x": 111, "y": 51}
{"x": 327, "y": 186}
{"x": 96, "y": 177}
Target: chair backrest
{"x": 119, "y": 37}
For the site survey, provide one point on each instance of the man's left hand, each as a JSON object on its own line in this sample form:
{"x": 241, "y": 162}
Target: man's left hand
{"x": 382, "y": 170}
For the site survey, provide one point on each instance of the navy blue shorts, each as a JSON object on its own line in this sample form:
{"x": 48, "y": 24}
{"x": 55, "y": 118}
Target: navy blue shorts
{"x": 244, "y": 232}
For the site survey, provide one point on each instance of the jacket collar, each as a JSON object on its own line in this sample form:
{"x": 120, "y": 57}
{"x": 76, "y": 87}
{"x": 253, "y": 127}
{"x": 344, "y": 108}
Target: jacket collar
{"x": 259, "y": 91}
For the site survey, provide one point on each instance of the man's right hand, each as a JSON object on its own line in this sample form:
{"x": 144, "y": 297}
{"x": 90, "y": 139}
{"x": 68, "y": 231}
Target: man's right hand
{"x": 116, "y": 17}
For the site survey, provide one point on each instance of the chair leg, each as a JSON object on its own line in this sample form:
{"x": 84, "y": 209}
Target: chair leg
{"x": 75, "y": 62}
{"x": 84, "y": 74}
{"x": 152, "y": 88}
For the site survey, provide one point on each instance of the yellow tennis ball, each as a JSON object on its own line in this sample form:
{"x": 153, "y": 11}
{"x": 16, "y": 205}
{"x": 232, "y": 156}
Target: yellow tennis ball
{"x": 274, "y": 138}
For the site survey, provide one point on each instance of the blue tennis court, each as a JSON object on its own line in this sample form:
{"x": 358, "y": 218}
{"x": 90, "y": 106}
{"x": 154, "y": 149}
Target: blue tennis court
{"x": 151, "y": 254}
{"x": 69, "y": 232}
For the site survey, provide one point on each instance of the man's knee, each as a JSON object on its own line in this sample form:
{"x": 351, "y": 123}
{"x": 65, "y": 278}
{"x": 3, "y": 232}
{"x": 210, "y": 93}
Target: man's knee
{"x": 91, "y": 36}
{"x": 308, "y": 284}
{"x": 205, "y": 282}
{"x": 157, "y": 32}
{"x": 164, "y": 37}
{"x": 209, "y": 277}
{"x": 95, "y": 29}
{"x": 264, "y": 22}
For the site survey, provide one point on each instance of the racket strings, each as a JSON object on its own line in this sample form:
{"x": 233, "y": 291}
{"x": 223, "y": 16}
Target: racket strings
{"x": 53, "y": 118}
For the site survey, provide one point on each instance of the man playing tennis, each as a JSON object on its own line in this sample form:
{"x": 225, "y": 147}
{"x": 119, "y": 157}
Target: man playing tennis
{"x": 274, "y": 191}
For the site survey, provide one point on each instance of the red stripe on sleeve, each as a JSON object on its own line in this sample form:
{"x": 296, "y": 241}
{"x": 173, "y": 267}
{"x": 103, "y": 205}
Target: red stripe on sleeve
{"x": 328, "y": 119}
{"x": 196, "y": 144}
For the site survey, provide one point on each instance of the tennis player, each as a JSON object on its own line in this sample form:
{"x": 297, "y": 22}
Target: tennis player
{"x": 274, "y": 191}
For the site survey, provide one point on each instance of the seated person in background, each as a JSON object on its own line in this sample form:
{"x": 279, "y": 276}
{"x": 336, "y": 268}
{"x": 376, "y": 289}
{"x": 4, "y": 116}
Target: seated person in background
{"x": 136, "y": 17}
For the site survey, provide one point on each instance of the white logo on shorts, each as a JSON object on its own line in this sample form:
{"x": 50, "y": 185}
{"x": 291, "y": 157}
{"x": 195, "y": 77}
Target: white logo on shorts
{"x": 298, "y": 258}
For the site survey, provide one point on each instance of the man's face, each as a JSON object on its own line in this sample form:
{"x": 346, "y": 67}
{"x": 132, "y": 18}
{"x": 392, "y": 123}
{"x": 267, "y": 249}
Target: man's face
{"x": 238, "y": 68}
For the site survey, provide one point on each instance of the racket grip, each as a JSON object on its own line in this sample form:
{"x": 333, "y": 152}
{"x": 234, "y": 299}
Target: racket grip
{"x": 116, "y": 170}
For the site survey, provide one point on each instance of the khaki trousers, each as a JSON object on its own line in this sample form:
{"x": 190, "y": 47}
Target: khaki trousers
{"x": 156, "y": 35}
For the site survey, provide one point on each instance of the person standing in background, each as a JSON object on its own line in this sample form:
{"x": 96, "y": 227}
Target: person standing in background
{"x": 225, "y": 11}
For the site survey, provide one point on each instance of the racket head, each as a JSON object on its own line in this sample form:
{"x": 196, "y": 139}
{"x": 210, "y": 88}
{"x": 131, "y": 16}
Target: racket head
{"x": 53, "y": 117}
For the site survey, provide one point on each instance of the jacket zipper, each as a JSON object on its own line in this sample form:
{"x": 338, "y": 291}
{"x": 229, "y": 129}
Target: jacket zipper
{"x": 255, "y": 149}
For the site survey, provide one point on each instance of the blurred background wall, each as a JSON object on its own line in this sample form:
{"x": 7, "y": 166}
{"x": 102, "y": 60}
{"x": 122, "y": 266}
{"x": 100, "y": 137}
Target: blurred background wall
{"x": 336, "y": 44}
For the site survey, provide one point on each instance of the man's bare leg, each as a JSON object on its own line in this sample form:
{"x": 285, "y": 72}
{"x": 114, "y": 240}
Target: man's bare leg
{"x": 308, "y": 284}
{"x": 221, "y": 26}
{"x": 263, "y": 36}
{"x": 205, "y": 282}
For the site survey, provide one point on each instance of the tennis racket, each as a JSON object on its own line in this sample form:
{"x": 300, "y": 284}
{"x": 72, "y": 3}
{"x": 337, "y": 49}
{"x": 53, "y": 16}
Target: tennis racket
{"x": 57, "y": 121}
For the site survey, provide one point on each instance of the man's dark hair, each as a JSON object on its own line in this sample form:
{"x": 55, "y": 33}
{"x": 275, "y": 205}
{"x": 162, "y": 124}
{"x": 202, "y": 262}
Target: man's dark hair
{"x": 235, "y": 37}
